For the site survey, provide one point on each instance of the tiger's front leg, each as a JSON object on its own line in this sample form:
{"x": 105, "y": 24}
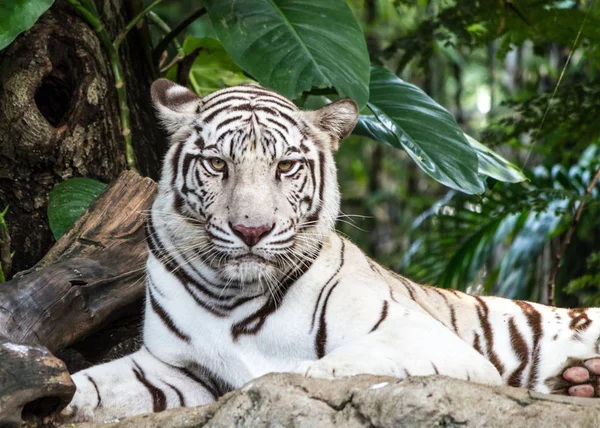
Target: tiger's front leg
{"x": 137, "y": 383}
{"x": 403, "y": 347}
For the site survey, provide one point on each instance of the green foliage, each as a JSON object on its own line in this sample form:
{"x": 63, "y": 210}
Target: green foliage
{"x": 213, "y": 69}
{"x": 295, "y": 45}
{"x": 588, "y": 285}
{"x": 68, "y": 201}
{"x": 493, "y": 165}
{"x": 520, "y": 76}
{"x": 17, "y": 16}
{"x": 496, "y": 241}
{"x": 403, "y": 116}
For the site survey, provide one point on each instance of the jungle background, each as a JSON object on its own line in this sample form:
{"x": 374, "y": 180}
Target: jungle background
{"x": 521, "y": 77}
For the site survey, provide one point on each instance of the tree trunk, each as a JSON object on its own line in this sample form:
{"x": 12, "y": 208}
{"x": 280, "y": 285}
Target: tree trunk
{"x": 59, "y": 117}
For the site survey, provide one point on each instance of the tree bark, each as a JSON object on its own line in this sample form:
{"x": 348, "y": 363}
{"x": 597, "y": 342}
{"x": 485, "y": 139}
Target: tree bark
{"x": 59, "y": 117}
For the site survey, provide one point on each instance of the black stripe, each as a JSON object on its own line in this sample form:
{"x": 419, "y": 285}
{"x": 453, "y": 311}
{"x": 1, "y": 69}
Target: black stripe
{"x": 179, "y": 394}
{"x": 215, "y": 113}
{"x": 227, "y": 122}
{"x": 209, "y": 386}
{"x": 278, "y": 123}
{"x": 175, "y": 163}
{"x": 384, "y": 312}
{"x": 166, "y": 318}
{"x": 483, "y": 313}
{"x": 534, "y": 320}
{"x": 157, "y": 250}
{"x": 211, "y": 104}
{"x": 521, "y": 351}
{"x": 259, "y": 317}
{"x": 337, "y": 271}
{"x": 97, "y": 390}
{"x": 214, "y": 99}
{"x": 269, "y": 99}
{"x": 159, "y": 400}
{"x": 321, "y": 337}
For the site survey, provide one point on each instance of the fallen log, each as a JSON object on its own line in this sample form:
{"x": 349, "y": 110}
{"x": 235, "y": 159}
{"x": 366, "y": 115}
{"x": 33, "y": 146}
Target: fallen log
{"x": 91, "y": 278}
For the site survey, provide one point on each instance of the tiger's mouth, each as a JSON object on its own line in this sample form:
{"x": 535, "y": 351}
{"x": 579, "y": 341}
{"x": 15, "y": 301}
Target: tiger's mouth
{"x": 249, "y": 258}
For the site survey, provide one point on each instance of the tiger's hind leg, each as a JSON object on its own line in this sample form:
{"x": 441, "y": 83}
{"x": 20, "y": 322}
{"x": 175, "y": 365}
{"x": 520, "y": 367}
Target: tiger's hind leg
{"x": 137, "y": 383}
{"x": 579, "y": 378}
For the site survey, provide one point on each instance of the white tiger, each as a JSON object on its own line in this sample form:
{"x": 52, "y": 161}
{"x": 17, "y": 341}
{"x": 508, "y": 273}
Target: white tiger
{"x": 246, "y": 276}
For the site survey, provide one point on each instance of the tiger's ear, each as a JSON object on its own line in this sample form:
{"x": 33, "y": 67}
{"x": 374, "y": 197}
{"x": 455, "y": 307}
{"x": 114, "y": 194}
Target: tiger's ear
{"x": 175, "y": 105}
{"x": 336, "y": 119}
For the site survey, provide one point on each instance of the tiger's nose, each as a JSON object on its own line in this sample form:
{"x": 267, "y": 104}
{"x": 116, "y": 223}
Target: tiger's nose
{"x": 251, "y": 235}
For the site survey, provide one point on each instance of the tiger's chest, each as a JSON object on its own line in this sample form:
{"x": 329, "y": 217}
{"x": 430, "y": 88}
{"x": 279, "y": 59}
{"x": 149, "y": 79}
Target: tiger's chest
{"x": 238, "y": 347}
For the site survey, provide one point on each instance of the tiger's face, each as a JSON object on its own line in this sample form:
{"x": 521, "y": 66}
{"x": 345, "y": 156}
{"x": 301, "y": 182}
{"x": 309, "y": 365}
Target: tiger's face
{"x": 252, "y": 176}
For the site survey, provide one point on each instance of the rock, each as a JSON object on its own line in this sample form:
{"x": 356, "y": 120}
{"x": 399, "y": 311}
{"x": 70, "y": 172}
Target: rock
{"x": 371, "y": 401}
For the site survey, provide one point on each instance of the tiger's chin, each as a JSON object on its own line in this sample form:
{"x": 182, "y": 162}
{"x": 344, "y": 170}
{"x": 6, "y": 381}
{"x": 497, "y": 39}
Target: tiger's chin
{"x": 251, "y": 270}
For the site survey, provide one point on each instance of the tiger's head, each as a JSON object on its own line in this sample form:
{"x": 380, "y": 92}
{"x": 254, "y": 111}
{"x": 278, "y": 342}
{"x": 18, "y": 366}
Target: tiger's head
{"x": 250, "y": 175}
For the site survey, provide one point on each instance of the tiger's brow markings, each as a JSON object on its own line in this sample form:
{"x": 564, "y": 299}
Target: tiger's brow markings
{"x": 214, "y": 99}
{"x": 227, "y": 122}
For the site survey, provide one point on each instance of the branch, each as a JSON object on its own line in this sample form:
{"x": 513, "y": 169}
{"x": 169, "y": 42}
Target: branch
{"x": 119, "y": 39}
{"x": 173, "y": 34}
{"x": 157, "y": 20}
{"x": 567, "y": 240}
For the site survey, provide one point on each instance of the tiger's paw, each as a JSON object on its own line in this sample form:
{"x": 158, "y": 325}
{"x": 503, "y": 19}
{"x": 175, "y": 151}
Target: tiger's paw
{"x": 329, "y": 368}
{"x": 583, "y": 378}
{"x": 84, "y": 403}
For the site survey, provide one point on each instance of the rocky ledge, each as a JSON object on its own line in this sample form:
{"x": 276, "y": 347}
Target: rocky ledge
{"x": 370, "y": 401}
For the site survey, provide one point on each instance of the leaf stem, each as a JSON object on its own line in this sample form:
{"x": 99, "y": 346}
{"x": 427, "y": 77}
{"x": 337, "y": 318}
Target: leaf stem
{"x": 567, "y": 240}
{"x": 87, "y": 10}
{"x": 158, "y": 21}
{"x": 119, "y": 39}
{"x": 162, "y": 45}
{"x": 5, "y": 256}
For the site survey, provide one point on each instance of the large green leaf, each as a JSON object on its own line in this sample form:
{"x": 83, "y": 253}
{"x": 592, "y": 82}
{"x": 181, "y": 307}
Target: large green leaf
{"x": 213, "y": 69}
{"x": 294, "y": 45}
{"x": 17, "y": 16}
{"x": 404, "y": 116}
{"x": 68, "y": 200}
{"x": 495, "y": 166}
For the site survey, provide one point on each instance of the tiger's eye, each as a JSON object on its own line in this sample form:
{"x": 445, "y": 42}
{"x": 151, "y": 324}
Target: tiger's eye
{"x": 218, "y": 164}
{"x": 285, "y": 165}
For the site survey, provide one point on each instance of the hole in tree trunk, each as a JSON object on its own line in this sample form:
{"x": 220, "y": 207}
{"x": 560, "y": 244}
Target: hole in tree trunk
{"x": 53, "y": 97}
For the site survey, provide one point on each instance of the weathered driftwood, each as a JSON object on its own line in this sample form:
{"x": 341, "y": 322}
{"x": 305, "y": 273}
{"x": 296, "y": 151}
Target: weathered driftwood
{"x": 90, "y": 278}
{"x": 32, "y": 381}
